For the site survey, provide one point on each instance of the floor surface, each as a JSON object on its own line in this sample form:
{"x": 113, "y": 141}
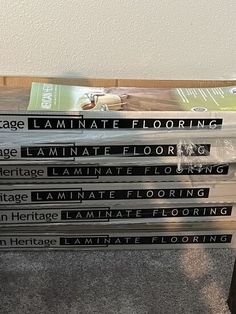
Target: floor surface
{"x": 125, "y": 282}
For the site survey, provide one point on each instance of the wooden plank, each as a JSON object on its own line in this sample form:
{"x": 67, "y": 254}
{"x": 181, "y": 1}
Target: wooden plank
{"x": 18, "y": 81}
{"x": 85, "y": 82}
{"x": 173, "y": 83}
{"x": 14, "y": 98}
{"x": 1, "y": 81}
{"x": 14, "y": 81}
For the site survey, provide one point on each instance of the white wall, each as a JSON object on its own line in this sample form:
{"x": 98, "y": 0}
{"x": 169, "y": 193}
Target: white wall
{"x": 153, "y": 39}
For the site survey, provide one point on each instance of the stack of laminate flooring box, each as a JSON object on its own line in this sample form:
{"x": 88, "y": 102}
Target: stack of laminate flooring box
{"x": 112, "y": 168}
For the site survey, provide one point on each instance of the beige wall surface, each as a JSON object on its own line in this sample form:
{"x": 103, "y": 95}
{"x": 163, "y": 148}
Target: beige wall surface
{"x": 149, "y": 39}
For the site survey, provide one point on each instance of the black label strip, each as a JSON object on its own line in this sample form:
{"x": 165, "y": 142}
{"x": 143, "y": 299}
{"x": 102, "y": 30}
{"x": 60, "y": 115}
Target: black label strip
{"x": 91, "y": 195}
{"x": 73, "y": 123}
{"x": 68, "y": 151}
{"x": 150, "y": 213}
{"x": 107, "y": 171}
{"x": 95, "y": 172}
{"x": 62, "y": 121}
{"x": 129, "y": 240}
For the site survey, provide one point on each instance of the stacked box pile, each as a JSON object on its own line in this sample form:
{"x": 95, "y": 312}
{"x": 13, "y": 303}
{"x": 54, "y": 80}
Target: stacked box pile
{"x": 112, "y": 168}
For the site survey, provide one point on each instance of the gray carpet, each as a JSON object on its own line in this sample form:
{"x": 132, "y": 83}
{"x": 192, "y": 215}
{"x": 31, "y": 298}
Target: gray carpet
{"x": 126, "y": 282}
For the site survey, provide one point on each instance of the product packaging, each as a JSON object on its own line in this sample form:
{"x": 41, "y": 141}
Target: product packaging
{"x": 105, "y": 194}
{"x": 72, "y": 172}
{"x": 216, "y": 236}
{"x": 132, "y": 216}
{"x": 62, "y": 107}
